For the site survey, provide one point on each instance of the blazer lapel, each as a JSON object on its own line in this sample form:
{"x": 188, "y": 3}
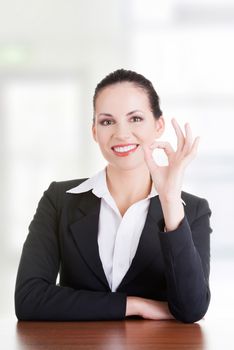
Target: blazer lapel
{"x": 149, "y": 244}
{"x": 85, "y": 231}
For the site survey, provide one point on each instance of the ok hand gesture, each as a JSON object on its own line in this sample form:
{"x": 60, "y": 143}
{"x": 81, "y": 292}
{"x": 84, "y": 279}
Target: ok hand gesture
{"x": 168, "y": 179}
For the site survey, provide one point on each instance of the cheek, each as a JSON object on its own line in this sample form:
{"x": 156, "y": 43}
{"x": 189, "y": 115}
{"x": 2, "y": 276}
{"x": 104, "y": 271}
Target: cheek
{"x": 102, "y": 137}
{"x": 146, "y": 134}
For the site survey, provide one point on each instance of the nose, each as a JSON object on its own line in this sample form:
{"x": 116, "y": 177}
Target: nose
{"x": 122, "y": 131}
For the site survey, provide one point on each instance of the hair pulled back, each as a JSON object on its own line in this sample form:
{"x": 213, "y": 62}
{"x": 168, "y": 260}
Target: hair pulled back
{"x": 123, "y": 75}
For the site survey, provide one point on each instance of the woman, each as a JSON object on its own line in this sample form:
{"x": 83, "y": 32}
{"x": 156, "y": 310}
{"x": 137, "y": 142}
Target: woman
{"x": 127, "y": 241}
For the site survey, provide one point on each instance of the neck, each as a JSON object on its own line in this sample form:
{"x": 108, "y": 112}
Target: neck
{"x": 134, "y": 184}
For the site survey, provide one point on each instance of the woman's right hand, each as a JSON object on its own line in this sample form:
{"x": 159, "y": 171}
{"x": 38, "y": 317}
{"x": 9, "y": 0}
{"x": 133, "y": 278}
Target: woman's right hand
{"x": 148, "y": 309}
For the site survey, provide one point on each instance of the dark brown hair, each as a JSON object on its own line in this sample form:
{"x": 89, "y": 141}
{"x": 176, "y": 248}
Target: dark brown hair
{"x": 123, "y": 75}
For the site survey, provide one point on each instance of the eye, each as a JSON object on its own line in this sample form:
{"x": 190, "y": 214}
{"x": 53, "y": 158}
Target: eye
{"x": 136, "y": 119}
{"x": 106, "y": 122}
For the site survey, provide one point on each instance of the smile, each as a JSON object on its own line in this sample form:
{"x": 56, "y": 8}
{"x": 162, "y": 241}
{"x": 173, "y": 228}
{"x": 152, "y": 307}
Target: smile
{"x": 124, "y": 150}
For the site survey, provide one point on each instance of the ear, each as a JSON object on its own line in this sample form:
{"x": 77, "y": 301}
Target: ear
{"x": 94, "y": 132}
{"x": 159, "y": 126}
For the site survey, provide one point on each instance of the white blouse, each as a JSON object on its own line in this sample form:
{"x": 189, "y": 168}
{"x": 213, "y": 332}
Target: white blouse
{"x": 118, "y": 236}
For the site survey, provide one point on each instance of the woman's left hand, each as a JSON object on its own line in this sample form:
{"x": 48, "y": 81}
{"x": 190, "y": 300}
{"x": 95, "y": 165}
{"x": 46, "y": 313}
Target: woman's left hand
{"x": 168, "y": 179}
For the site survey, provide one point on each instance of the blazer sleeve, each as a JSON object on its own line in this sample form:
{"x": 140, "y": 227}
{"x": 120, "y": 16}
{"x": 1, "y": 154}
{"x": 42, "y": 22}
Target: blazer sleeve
{"x": 37, "y": 297}
{"x": 186, "y": 252}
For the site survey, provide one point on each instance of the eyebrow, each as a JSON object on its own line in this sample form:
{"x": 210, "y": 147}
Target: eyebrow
{"x": 110, "y": 115}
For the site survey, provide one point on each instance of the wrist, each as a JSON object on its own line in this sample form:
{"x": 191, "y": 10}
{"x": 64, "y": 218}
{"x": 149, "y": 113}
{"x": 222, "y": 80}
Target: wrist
{"x": 173, "y": 213}
{"x": 170, "y": 199}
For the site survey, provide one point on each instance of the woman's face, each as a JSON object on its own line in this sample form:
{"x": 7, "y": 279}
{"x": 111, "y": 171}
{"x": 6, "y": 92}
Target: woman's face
{"x": 123, "y": 123}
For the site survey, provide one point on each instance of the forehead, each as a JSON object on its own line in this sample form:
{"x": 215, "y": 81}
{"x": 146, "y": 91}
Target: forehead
{"x": 122, "y": 96}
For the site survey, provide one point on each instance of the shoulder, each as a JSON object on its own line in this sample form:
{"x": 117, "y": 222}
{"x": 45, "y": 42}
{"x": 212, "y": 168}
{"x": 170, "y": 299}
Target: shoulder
{"x": 195, "y": 206}
{"x": 57, "y": 190}
{"x": 63, "y": 186}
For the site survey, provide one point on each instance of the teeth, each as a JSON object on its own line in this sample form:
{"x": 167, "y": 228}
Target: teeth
{"x": 125, "y": 148}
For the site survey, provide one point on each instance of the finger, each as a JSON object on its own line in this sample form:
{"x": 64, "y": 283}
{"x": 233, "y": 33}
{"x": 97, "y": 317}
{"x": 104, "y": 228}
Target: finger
{"x": 195, "y": 146}
{"x": 165, "y": 146}
{"x": 179, "y": 134}
{"x": 188, "y": 141}
{"x": 193, "y": 152}
{"x": 148, "y": 155}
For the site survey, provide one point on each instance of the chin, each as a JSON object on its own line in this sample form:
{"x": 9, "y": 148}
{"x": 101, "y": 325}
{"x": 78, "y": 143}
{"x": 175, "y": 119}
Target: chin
{"x": 126, "y": 166}
{"x": 125, "y": 163}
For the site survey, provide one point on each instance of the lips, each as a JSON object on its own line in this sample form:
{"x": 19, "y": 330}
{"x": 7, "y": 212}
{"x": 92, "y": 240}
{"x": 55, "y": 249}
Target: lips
{"x": 124, "y": 150}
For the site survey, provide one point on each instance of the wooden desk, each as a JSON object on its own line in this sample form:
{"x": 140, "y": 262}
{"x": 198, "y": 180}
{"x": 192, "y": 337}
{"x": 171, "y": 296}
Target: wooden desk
{"x": 129, "y": 334}
{"x": 121, "y": 335}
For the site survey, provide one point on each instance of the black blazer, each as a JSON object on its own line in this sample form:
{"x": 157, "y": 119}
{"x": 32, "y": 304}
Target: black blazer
{"x": 171, "y": 266}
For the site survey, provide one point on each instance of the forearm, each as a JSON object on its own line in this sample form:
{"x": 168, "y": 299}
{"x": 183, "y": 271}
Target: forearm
{"x": 187, "y": 282}
{"x": 39, "y": 300}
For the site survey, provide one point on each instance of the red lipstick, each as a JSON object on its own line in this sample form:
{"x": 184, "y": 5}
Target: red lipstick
{"x": 123, "y": 150}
